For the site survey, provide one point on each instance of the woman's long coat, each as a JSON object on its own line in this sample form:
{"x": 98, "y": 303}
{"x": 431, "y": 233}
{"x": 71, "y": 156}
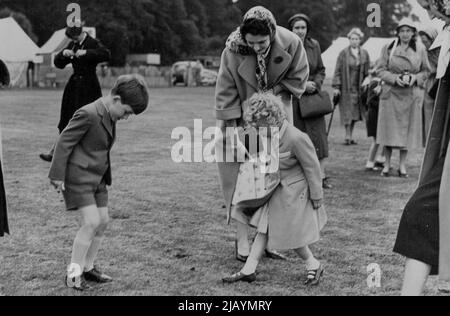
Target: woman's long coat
{"x": 293, "y": 222}
{"x": 83, "y": 87}
{"x": 314, "y": 127}
{"x": 400, "y": 113}
{"x": 342, "y": 81}
{"x": 437, "y": 146}
{"x": 287, "y": 75}
{"x": 3, "y": 215}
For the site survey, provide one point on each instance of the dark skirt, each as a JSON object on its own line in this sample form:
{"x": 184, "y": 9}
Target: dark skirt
{"x": 315, "y": 128}
{"x": 418, "y": 234}
{"x": 3, "y": 215}
{"x": 372, "y": 121}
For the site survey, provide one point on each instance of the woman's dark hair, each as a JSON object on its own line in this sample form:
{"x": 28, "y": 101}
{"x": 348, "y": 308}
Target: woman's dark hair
{"x": 255, "y": 27}
{"x": 422, "y": 33}
{"x": 299, "y": 17}
{"x": 412, "y": 43}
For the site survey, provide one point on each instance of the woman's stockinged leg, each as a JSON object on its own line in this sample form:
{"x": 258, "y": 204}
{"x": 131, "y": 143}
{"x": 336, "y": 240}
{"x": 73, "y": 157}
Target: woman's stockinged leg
{"x": 403, "y": 157}
{"x": 97, "y": 240}
{"x": 348, "y": 133}
{"x": 258, "y": 248}
{"x": 416, "y": 276}
{"x": 83, "y": 240}
{"x": 243, "y": 244}
{"x": 388, "y": 154}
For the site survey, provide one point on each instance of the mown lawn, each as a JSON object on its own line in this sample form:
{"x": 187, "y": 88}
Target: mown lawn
{"x": 169, "y": 235}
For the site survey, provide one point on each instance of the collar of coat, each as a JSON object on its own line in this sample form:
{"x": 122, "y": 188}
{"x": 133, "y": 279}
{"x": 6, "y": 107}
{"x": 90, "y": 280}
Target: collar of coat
{"x": 279, "y": 59}
{"x": 363, "y": 54}
{"x": 107, "y": 122}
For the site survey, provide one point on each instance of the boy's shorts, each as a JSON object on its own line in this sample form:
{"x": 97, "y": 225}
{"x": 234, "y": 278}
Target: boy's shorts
{"x": 79, "y": 196}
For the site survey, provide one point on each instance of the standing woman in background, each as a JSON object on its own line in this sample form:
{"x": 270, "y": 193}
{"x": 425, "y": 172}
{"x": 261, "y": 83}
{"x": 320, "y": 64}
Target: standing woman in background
{"x": 428, "y": 36}
{"x": 3, "y": 216}
{"x": 352, "y": 68}
{"x": 404, "y": 69}
{"x": 315, "y": 127}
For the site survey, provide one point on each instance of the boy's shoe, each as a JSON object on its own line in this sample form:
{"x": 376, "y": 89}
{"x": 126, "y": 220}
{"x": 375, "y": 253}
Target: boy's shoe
{"x": 76, "y": 283}
{"x": 96, "y": 276}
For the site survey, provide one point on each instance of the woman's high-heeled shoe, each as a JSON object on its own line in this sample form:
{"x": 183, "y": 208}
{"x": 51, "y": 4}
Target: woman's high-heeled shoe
{"x": 240, "y": 277}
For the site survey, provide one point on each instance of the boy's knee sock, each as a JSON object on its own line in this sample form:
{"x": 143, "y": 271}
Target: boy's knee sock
{"x": 92, "y": 253}
{"x": 81, "y": 246}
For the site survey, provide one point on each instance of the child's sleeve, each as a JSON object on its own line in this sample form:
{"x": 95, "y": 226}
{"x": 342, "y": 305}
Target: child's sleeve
{"x": 304, "y": 150}
{"x": 67, "y": 141}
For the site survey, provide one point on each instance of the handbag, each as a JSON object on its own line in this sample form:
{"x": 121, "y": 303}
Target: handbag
{"x": 315, "y": 105}
{"x": 254, "y": 186}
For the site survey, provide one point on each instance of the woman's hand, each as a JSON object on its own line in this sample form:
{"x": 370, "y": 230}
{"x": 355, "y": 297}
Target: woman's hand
{"x": 399, "y": 81}
{"x": 413, "y": 80}
{"x": 317, "y": 204}
{"x": 311, "y": 87}
{"x": 336, "y": 93}
{"x": 58, "y": 185}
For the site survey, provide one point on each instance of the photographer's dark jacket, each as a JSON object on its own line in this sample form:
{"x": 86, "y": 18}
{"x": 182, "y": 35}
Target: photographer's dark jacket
{"x": 83, "y": 87}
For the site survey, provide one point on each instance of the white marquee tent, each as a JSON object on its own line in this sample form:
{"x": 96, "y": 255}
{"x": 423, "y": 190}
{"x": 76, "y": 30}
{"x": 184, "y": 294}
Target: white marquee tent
{"x": 374, "y": 46}
{"x": 17, "y": 49}
{"x": 330, "y": 56}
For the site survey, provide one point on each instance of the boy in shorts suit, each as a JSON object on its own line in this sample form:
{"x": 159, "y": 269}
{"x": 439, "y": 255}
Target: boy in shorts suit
{"x": 81, "y": 170}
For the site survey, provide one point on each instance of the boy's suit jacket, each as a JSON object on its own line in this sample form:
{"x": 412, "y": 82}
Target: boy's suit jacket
{"x": 82, "y": 154}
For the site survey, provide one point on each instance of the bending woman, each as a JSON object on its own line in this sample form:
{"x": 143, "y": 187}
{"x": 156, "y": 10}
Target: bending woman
{"x": 259, "y": 56}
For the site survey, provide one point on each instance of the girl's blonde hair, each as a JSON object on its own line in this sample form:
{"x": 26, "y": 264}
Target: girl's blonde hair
{"x": 264, "y": 110}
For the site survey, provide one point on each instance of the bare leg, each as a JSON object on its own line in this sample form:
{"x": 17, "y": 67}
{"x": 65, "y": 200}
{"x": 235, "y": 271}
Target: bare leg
{"x": 83, "y": 240}
{"x": 416, "y": 276}
{"x": 97, "y": 240}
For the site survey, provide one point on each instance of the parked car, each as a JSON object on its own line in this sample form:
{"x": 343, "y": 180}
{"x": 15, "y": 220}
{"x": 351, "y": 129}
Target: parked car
{"x": 179, "y": 73}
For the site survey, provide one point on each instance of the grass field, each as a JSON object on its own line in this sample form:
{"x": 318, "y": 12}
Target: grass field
{"x": 169, "y": 235}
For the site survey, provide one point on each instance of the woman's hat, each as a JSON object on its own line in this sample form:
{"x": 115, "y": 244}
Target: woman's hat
{"x": 406, "y": 22}
{"x": 298, "y": 17}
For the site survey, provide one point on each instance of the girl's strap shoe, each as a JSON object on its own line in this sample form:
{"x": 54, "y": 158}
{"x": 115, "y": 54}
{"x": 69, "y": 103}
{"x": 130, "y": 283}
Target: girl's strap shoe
{"x": 314, "y": 276}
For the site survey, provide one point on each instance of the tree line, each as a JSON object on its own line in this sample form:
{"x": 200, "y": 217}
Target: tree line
{"x": 179, "y": 29}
